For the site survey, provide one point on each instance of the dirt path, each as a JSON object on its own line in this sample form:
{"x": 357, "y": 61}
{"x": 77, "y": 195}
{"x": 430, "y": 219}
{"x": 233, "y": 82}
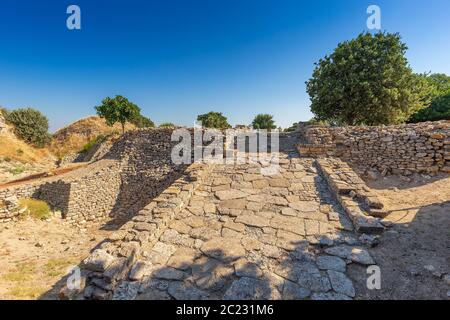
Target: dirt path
{"x": 414, "y": 256}
{"x": 34, "y": 255}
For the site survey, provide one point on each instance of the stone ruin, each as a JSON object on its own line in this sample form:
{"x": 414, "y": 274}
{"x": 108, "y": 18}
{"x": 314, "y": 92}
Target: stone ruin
{"x": 174, "y": 220}
{"x": 400, "y": 149}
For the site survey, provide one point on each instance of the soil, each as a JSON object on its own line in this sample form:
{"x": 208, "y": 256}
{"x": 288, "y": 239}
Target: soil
{"x": 35, "y": 255}
{"x": 414, "y": 254}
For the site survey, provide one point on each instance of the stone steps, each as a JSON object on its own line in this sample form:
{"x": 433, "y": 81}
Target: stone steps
{"x": 362, "y": 206}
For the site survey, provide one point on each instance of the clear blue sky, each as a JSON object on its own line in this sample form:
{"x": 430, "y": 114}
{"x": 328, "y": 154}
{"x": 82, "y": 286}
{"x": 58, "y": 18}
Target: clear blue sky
{"x": 176, "y": 59}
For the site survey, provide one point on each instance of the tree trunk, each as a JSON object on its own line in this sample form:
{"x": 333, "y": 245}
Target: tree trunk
{"x": 123, "y": 127}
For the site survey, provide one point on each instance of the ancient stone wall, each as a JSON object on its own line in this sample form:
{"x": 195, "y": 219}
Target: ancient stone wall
{"x": 401, "y": 149}
{"x": 135, "y": 170}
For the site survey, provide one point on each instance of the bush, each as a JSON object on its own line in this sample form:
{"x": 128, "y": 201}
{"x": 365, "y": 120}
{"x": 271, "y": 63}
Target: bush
{"x": 37, "y": 209}
{"x": 167, "y": 125}
{"x": 3, "y": 112}
{"x": 30, "y": 125}
{"x": 16, "y": 170}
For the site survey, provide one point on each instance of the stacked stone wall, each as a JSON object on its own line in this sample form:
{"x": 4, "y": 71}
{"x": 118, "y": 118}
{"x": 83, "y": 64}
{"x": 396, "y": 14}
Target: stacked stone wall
{"x": 400, "y": 149}
{"x": 136, "y": 169}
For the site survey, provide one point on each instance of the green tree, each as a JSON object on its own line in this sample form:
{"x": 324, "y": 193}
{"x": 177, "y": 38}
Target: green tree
{"x": 214, "y": 120}
{"x": 367, "y": 81}
{"x": 117, "y": 109}
{"x": 30, "y": 125}
{"x": 264, "y": 121}
{"x": 141, "y": 121}
{"x": 439, "y": 109}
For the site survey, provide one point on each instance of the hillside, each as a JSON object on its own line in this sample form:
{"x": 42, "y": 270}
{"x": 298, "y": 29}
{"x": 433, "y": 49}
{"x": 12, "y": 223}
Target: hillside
{"x": 19, "y": 159}
{"x": 72, "y": 138}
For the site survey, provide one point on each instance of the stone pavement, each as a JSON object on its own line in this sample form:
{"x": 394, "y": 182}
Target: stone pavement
{"x": 246, "y": 235}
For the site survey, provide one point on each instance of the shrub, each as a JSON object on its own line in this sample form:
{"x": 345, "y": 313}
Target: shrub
{"x": 30, "y": 125}
{"x": 167, "y": 125}
{"x": 37, "y": 209}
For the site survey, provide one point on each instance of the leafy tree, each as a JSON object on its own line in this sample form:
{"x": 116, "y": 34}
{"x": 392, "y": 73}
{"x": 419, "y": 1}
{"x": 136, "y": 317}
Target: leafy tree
{"x": 118, "y": 109}
{"x": 264, "y": 121}
{"x": 30, "y": 125}
{"x": 367, "y": 81}
{"x": 141, "y": 121}
{"x": 214, "y": 120}
{"x": 439, "y": 108}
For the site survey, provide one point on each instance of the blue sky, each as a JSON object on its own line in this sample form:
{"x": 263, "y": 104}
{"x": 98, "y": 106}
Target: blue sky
{"x": 179, "y": 58}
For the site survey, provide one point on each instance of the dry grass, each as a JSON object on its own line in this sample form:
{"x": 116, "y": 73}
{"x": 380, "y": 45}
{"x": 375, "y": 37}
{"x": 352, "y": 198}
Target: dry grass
{"x": 37, "y": 209}
{"x": 26, "y": 278}
{"x": 12, "y": 148}
{"x": 74, "y": 137}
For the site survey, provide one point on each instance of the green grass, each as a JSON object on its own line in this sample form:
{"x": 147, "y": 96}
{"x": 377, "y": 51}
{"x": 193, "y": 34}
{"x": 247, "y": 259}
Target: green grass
{"x": 37, "y": 209}
{"x": 88, "y": 146}
{"x": 57, "y": 266}
{"x": 16, "y": 170}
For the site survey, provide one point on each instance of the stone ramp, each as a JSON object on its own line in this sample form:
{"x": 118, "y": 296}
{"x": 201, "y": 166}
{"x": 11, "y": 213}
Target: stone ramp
{"x": 244, "y": 235}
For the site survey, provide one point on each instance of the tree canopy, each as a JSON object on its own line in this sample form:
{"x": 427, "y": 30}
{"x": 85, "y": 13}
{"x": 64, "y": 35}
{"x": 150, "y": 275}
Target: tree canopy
{"x": 141, "y": 121}
{"x": 439, "y": 109}
{"x": 367, "y": 80}
{"x": 264, "y": 121}
{"x": 214, "y": 120}
{"x": 118, "y": 109}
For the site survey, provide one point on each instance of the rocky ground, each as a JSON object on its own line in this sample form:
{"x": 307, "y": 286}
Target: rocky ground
{"x": 248, "y": 235}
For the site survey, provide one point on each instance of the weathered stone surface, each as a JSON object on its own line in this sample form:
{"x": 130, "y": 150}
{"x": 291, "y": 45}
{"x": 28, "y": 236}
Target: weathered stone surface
{"x": 250, "y": 289}
{"x": 140, "y": 270}
{"x": 169, "y": 273}
{"x": 230, "y": 194}
{"x": 210, "y": 274}
{"x": 355, "y": 254}
{"x": 182, "y": 259}
{"x": 253, "y": 220}
{"x": 224, "y": 249}
{"x": 331, "y": 263}
{"x": 292, "y": 291}
{"x": 340, "y": 283}
{"x": 186, "y": 291}
{"x": 98, "y": 261}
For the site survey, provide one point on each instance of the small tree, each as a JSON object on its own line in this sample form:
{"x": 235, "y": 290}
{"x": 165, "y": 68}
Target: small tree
{"x": 367, "y": 81}
{"x": 118, "y": 109}
{"x": 30, "y": 125}
{"x": 214, "y": 120}
{"x": 264, "y": 121}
